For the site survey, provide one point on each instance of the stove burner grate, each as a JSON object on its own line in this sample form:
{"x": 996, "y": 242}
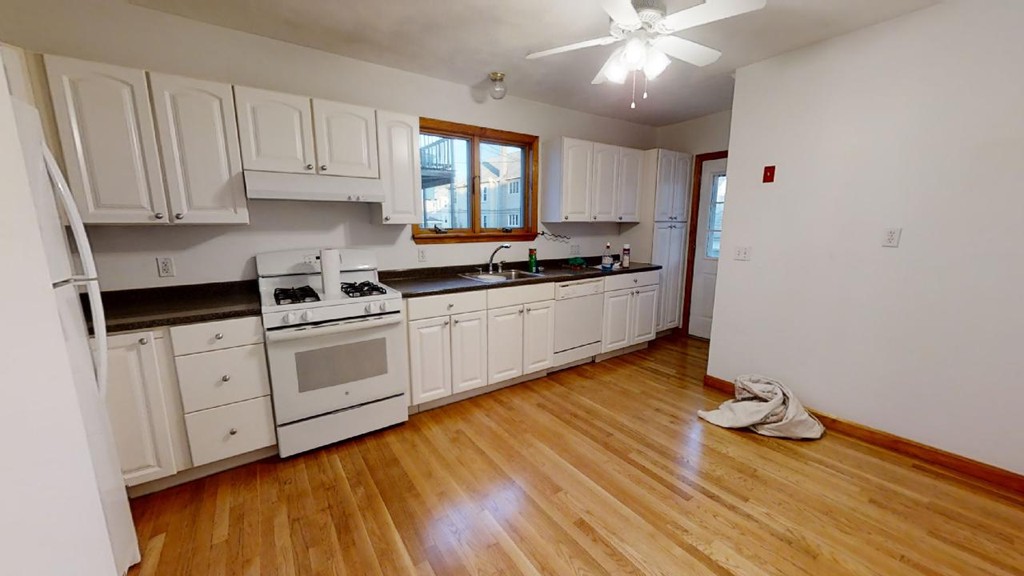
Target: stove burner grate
{"x": 295, "y": 295}
{"x": 365, "y": 288}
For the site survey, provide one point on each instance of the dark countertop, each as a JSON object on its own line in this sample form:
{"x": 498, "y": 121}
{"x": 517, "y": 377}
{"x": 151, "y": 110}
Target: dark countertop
{"x": 433, "y": 281}
{"x": 128, "y": 310}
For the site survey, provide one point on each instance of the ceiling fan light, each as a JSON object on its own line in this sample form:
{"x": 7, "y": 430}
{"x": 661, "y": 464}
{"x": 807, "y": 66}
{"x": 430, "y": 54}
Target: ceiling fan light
{"x": 614, "y": 69}
{"x": 634, "y": 54}
{"x": 656, "y": 63}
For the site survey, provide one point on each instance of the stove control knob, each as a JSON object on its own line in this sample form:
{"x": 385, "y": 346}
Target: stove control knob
{"x": 383, "y": 306}
{"x": 288, "y": 318}
{"x": 307, "y": 316}
{"x": 369, "y": 309}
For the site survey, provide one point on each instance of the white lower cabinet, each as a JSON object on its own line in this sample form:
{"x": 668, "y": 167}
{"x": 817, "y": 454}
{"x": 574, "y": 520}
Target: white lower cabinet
{"x": 430, "y": 359}
{"x": 539, "y": 336}
{"x": 147, "y": 422}
{"x": 630, "y": 317}
{"x": 505, "y": 343}
{"x": 469, "y": 351}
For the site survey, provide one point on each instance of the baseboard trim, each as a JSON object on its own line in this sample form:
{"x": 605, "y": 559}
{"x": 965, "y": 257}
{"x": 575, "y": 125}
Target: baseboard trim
{"x": 931, "y": 455}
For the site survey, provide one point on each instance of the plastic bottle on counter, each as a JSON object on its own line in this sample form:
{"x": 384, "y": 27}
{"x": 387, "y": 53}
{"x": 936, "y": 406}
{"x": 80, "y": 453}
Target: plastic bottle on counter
{"x": 606, "y": 259}
{"x": 533, "y": 259}
{"x": 624, "y": 260}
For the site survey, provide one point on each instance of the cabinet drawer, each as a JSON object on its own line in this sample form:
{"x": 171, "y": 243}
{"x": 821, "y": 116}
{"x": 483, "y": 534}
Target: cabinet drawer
{"x": 216, "y": 335}
{"x": 445, "y": 304}
{"x": 210, "y": 431}
{"x": 222, "y": 377}
{"x": 515, "y": 295}
{"x": 623, "y": 281}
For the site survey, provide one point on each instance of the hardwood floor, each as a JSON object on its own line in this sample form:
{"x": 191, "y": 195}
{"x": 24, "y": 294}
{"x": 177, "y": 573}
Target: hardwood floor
{"x": 601, "y": 469}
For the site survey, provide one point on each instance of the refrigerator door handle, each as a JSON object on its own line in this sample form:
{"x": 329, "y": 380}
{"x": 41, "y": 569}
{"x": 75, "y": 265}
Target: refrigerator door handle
{"x": 88, "y": 277}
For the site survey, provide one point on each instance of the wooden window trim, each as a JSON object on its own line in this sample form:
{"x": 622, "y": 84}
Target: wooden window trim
{"x": 476, "y": 135}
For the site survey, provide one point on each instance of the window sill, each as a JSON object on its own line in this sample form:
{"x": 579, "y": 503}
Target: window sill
{"x": 455, "y": 238}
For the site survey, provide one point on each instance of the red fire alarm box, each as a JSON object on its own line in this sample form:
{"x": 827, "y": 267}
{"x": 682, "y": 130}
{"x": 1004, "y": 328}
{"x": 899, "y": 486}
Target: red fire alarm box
{"x": 769, "y": 174}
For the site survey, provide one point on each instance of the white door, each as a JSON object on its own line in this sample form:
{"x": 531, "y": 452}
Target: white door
{"x": 138, "y": 415}
{"x": 539, "y": 336}
{"x": 681, "y": 189}
{"x": 505, "y": 343}
{"x": 606, "y": 179}
{"x": 398, "y": 139}
{"x": 195, "y": 121}
{"x": 106, "y": 131}
{"x": 665, "y": 187}
{"x": 469, "y": 351}
{"x": 577, "y": 179}
{"x": 645, "y": 314}
{"x": 616, "y": 320}
{"x": 430, "y": 359}
{"x": 709, "y": 237}
{"x": 346, "y": 139}
{"x": 631, "y": 174}
{"x": 275, "y": 131}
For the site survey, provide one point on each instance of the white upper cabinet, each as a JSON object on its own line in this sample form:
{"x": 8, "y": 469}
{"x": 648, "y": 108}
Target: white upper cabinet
{"x": 631, "y": 174}
{"x": 605, "y": 183}
{"x": 195, "y": 121}
{"x": 681, "y": 188}
{"x": 398, "y": 141}
{"x": 539, "y": 336}
{"x": 346, "y": 139}
{"x": 275, "y": 131}
{"x": 106, "y": 130}
{"x": 672, "y": 195}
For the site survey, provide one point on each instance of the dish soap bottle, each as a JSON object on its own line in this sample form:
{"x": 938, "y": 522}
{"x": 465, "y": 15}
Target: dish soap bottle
{"x": 606, "y": 258}
{"x": 533, "y": 259}
{"x": 624, "y": 260}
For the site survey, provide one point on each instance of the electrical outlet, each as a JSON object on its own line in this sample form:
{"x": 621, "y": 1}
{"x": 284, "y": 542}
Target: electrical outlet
{"x": 311, "y": 259}
{"x": 574, "y": 250}
{"x": 742, "y": 253}
{"x": 165, "y": 267}
{"x": 421, "y": 255}
{"x": 891, "y": 239}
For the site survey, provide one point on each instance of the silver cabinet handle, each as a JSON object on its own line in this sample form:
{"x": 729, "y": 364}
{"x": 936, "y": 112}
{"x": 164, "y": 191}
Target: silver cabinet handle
{"x": 233, "y": 431}
{"x": 309, "y": 166}
{"x": 159, "y": 215}
{"x": 143, "y": 341}
{"x": 219, "y": 336}
{"x": 179, "y": 216}
{"x": 323, "y": 167}
{"x": 225, "y": 378}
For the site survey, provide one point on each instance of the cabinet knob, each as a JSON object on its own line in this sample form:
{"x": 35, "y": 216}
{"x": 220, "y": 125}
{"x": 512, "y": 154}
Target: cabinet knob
{"x": 358, "y": 198}
{"x": 520, "y": 311}
{"x": 159, "y": 215}
{"x": 450, "y": 306}
{"x": 529, "y": 309}
{"x": 456, "y": 322}
{"x": 446, "y": 322}
{"x": 595, "y": 217}
{"x": 566, "y": 218}
{"x": 143, "y": 341}
{"x": 179, "y": 216}
{"x": 636, "y": 280}
{"x": 620, "y": 217}
{"x": 309, "y": 166}
{"x": 323, "y": 167}
{"x": 225, "y": 378}
{"x": 233, "y": 431}
{"x": 219, "y": 335}
{"x": 387, "y": 218}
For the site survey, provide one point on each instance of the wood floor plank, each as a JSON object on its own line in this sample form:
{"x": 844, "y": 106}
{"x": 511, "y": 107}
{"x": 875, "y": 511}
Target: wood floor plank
{"x": 599, "y": 469}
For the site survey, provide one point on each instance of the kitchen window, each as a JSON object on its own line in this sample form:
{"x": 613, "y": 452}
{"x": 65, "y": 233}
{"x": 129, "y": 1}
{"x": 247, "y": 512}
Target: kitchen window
{"x": 477, "y": 184}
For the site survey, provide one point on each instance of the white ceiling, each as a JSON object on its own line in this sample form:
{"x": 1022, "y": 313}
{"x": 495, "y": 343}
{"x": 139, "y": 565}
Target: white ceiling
{"x": 463, "y": 41}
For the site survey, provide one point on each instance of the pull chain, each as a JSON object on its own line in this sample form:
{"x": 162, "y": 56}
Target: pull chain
{"x": 632, "y": 105}
{"x": 645, "y": 86}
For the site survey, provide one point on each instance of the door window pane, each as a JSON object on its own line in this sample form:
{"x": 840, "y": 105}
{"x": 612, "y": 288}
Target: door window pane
{"x": 445, "y": 171}
{"x": 714, "y": 244}
{"x": 712, "y": 247}
{"x": 501, "y": 185}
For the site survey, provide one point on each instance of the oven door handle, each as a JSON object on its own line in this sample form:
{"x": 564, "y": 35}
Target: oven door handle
{"x": 334, "y": 328}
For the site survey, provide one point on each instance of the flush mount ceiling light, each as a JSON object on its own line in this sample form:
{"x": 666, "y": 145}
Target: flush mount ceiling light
{"x": 498, "y": 88}
{"x": 648, "y": 33}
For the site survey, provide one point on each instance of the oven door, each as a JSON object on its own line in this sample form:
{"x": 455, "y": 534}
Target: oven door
{"x": 324, "y": 368}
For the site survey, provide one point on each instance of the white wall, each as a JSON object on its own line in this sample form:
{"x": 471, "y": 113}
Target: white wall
{"x": 915, "y": 123}
{"x": 698, "y": 136}
{"x": 116, "y": 32}
{"x": 52, "y": 520}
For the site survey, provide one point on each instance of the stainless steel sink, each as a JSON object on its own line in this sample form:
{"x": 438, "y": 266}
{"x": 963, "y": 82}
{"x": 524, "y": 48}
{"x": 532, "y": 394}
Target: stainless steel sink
{"x": 506, "y": 276}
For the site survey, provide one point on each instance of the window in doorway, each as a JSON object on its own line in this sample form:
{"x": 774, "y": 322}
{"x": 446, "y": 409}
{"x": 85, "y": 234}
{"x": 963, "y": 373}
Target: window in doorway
{"x": 714, "y": 240}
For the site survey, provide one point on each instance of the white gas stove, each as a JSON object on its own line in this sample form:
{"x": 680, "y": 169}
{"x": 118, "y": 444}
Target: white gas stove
{"x": 336, "y": 346}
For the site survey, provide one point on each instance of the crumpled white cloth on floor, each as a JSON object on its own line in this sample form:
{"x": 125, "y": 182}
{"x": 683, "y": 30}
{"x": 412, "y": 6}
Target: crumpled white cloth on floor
{"x": 767, "y": 407}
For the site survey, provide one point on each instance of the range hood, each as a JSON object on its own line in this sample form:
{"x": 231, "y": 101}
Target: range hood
{"x": 280, "y": 186}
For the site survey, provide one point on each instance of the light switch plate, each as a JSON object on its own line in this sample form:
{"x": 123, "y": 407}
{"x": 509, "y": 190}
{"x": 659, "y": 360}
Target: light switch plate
{"x": 421, "y": 255}
{"x": 742, "y": 253}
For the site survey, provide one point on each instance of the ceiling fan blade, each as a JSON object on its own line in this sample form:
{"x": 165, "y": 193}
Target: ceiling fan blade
{"x": 570, "y": 47}
{"x": 623, "y": 12}
{"x": 710, "y": 11}
{"x": 687, "y": 51}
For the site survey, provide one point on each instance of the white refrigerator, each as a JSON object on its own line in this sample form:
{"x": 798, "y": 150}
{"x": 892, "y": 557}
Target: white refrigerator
{"x": 52, "y": 199}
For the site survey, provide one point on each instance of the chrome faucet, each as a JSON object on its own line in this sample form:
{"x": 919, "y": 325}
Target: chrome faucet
{"x": 490, "y": 261}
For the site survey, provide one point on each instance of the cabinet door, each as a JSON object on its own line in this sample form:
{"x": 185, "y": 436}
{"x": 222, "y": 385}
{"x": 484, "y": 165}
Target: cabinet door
{"x": 138, "y": 414}
{"x": 469, "y": 351}
{"x": 539, "y": 336}
{"x": 398, "y": 138}
{"x": 430, "y": 359}
{"x": 616, "y": 320}
{"x": 644, "y": 315}
{"x": 504, "y": 343}
{"x": 606, "y": 180}
{"x": 195, "y": 121}
{"x": 346, "y": 139}
{"x": 275, "y": 131}
{"x": 577, "y": 179}
{"x": 669, "y": 253}
{"x": 110, "y": 152}
{"x": 681, "y": 188}
{"x": 631, "y": 173}
{"x": 663, "y": 194}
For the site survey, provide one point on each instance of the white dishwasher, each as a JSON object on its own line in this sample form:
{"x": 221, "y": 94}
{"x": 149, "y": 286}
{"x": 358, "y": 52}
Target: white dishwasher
{"x": 579, "y": 319}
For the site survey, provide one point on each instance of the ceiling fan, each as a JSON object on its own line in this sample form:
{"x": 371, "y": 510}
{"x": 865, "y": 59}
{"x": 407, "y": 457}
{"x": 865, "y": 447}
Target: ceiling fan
{"x": 648, "y": 32}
